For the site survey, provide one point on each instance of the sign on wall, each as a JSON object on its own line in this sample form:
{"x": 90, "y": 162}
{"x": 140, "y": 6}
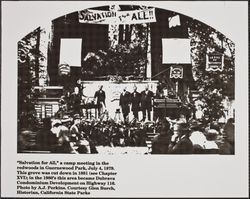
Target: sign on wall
{"x": 214, "y": 62}
{"x": 146, "y": 15}
{"x": 176, "y": 51}
{"x": 176, "y": 72}
{"x": 70, "y": 51}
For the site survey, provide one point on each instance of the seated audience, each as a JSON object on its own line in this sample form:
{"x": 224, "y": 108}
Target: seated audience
{"x": 181, "y": 144}
{"x": 63, "y": 146}
{"x": 45, "y": 138}
{"x": 210, "y": 146}
{"x": 228, "y": 146}
{"x": 161, "y": 142}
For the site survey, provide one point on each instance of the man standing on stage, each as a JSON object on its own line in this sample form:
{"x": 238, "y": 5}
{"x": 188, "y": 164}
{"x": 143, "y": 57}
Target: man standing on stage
{"x": 75, "y": 100}
{"x": 100, "y": 97}
{"x": 135, "y": 101}
{"x": 124, "y": 103}
{"x": 146, "y": 102}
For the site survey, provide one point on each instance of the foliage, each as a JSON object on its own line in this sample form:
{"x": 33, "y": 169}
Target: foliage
{"x": 28, "y": 60}
{"x": 127, "y": 59}
{"x": 124, "y": 59}
{"x": 94, "y": 64}
{"x": 214, "y": 86}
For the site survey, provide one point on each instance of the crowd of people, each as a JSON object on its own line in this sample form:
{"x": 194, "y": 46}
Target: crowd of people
{"x": 187, "y": 132}
{"x": 79, "y": 135}
{"x": 194, "y": 137}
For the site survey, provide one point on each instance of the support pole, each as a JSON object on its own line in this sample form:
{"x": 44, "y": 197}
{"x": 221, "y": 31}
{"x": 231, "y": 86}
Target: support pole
{"x": 176, "y": 87}
{"x": 148, "y": 65}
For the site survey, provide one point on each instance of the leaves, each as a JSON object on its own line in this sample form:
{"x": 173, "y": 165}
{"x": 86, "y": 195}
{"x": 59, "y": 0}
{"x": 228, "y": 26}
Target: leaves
{"x": 125, "y": 59}
{"x": 28, "y": 64}
{"x": 214, "y": 85}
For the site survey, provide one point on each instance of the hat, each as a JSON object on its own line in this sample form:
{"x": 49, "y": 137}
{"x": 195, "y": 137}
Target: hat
{"x": 212, "y": 131}
{"x": 83, "y": 142}
{"x": 76, "y": 116}
{"x": 212, "y": 134}
{"x": 149, "y": 123}
{"x": 56, "y": 122}
{"x": 65, "y": 119}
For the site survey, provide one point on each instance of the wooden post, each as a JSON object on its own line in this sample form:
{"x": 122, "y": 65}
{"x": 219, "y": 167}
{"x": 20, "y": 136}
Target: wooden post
{"x": 148, "y": 61}
{"x": 176, "y": 87}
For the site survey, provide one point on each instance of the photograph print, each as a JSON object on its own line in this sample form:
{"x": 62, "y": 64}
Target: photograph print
{"x": 126, "y": 79}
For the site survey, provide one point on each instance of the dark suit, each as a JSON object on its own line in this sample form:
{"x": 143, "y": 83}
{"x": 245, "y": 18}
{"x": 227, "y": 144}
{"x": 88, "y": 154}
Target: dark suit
{"x": 183, "y": 146}
{"x": 45, "y": 139}
{"x": 135, "y": 99}
{"x": 146, "y": 103}
{"x": 101, "y": 96}
{"x": 76, "y": 102}
{"x": 124, "y": 103}
{"x": 161, "y": 143}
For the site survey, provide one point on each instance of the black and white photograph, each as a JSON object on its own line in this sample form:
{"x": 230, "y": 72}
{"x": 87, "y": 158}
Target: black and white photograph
{"x": 124, "y": 99}
{"x": 126, "y": 79}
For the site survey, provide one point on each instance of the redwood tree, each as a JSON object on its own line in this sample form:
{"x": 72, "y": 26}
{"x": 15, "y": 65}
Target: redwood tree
{"x": 213, "y": 85}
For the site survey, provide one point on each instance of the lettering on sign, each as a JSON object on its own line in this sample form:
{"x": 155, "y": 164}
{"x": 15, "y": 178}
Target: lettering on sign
{"x": 146, "y": 15}
{"x": 215, "y": 62}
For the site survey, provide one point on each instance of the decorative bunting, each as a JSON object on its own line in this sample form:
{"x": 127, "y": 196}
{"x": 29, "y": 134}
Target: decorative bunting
{"x": 63, "y": 69}
{"x": 176, "y": 72}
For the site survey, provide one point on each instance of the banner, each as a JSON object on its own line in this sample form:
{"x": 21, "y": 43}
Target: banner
{"x": 70, "y": 51}
{"x": 176, "y": 51}
{"x": 119, "y": 17}
{"x": 176, "y": 72}
{"x": 215, "y": 62}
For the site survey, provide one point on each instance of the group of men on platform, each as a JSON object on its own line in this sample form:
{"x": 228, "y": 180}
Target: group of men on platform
{"x": 139, "y": 102}
{"x": 128, "y": 101}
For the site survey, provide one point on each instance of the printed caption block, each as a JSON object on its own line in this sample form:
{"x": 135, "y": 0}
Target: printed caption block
{"x": 64, "y": 178}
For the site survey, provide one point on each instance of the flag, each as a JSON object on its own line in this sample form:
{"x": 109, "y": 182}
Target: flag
{"x": 174, "y": 21}
{"x": 176, "y": 72}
